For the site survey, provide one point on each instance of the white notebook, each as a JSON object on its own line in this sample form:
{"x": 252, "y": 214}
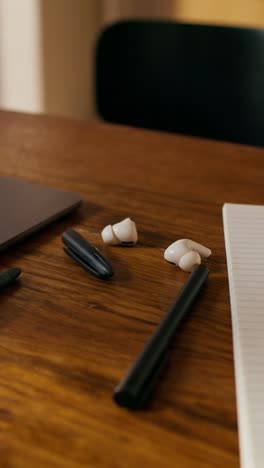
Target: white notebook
{"x": 244, "y": 238}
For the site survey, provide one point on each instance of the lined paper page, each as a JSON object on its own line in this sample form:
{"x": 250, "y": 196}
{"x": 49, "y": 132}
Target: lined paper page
{"x": 244, "y": 238}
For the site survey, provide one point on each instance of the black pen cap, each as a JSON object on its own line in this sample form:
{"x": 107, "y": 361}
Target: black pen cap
{"x": 7, "y": 277}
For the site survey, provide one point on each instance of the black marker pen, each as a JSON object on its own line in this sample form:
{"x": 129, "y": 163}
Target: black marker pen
{"x": 134, "y": 390}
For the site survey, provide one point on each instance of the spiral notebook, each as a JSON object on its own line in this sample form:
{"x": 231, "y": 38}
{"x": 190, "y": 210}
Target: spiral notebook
{"x": 244, "y": 239}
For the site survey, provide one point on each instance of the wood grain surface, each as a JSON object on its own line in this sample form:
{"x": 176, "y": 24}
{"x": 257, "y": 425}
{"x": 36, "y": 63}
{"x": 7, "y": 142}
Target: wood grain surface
{"x": 66, "y": 338}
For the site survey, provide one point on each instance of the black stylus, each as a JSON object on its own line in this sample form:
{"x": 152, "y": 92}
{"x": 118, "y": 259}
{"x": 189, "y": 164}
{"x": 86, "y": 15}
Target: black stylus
{"x": 134, "y": 390}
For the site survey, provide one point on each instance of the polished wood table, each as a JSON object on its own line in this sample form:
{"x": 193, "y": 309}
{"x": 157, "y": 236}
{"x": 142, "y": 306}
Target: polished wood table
{"x": 66, "y": 338}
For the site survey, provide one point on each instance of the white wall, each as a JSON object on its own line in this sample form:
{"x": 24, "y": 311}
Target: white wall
{"x": 46, "y": 55}
{"x": 21, "y": 86}
{"x": 47, "y": 50}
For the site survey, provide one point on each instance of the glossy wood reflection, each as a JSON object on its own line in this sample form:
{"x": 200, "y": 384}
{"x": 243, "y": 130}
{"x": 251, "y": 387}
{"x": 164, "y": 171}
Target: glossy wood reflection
{"x": 67, "y": 338}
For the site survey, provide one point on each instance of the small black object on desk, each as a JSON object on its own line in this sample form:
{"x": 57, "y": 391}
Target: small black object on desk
{"x": 135, "y": 389}
{"x": 86, "y": 255}
{"x": 9, "y": 276}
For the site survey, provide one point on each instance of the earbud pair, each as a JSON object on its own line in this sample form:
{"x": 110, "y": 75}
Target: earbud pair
{"x": 185, "y": 253}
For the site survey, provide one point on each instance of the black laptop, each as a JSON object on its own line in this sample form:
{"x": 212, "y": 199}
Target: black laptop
{"x": 26, "y": 207}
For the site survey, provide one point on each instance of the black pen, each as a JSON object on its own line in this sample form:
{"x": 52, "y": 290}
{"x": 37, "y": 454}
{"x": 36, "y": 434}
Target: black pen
{"x": 9, "y": 276}
{"x": 135, "y": 389}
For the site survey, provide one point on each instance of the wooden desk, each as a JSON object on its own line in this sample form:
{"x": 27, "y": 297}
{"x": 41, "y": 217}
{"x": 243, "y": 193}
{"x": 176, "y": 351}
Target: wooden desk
{"x": 66, "y": 339}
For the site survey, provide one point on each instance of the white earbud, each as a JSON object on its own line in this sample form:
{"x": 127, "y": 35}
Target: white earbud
{"x": 186, "y": 254}
{"x": 124, "y": 233}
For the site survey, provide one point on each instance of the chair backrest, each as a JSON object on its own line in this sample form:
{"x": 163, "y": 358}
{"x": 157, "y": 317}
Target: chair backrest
{"x": 195, "y": 79}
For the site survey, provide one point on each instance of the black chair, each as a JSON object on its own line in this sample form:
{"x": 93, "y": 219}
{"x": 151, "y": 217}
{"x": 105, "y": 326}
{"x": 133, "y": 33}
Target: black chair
{"x": 194, "y": 79}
